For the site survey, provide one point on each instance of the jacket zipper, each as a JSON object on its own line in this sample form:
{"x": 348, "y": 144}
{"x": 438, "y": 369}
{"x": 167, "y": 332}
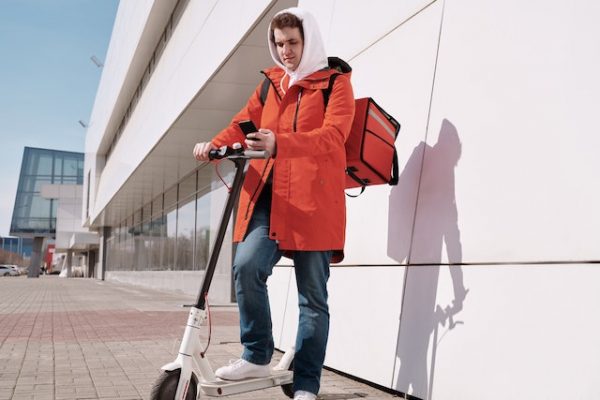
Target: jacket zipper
{"x": 267, "y": 164}
{"x": 256, "y": 190}
{"x": 297, "y": 108}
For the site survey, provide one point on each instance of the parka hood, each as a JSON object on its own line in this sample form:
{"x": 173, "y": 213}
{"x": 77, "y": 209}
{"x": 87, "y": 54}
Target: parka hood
{"x": 314, "y": 57}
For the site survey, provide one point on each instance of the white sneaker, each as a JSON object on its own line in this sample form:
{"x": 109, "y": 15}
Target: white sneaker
{"x": 304, "y": 395}
{"x": 241, "y": 369}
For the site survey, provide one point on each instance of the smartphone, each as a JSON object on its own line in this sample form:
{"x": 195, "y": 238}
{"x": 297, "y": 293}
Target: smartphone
{"x": 247, "y": 127}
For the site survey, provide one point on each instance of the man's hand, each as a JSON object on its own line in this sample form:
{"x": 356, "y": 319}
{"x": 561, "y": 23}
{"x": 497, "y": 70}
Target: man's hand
{"x": 201, "y": 150}
{"x": 265, "y": 140}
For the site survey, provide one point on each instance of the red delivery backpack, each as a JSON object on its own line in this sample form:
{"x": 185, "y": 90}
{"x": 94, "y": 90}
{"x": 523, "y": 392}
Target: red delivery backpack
{"x": 371, "y": 157}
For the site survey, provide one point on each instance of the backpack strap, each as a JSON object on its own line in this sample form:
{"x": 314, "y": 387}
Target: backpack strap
{"x": 327, "y": 92}
{"x": 349, "y": 171}
{"x": 264, "y": 90}
{"x": 363, "y": 184}
{"x": 394, "y": 180}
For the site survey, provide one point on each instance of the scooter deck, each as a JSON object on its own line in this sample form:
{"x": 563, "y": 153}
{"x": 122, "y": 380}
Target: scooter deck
{"x": 225, "y": 388}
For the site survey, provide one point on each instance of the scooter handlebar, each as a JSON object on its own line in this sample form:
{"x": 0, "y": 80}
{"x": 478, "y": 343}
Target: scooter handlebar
{"x": 237, "y": 151}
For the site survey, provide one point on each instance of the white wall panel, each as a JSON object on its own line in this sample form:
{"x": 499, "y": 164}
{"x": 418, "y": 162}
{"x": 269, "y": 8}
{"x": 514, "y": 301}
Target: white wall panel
{"x": 398, "y": 73}
{"x": 517, "y": 82}
{"x": 529, "y": 332}
{"x": 279, "y": 285}
{"x": 350, "y": 26}
{"x": 364, "y": 304}
{"x": 291, "y": 315}
{"x": 425, "y": 318}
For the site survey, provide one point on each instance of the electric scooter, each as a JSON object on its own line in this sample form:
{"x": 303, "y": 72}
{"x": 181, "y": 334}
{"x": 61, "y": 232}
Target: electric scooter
{"x": 190, "y": 375}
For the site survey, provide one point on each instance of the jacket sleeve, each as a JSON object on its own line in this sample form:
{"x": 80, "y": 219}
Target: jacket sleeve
{"x": 232, "y": 133}
{"x": 332, "y": 135}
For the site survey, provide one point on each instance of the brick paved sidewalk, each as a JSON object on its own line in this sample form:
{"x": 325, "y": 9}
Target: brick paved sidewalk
{"x": 87, "y": 339}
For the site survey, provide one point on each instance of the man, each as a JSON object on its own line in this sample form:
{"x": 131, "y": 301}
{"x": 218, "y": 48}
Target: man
{"x": 292, "y": 204}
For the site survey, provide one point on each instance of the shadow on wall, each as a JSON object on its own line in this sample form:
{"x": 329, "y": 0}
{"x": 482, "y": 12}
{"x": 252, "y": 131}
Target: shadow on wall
{"x": 434, "y": 226}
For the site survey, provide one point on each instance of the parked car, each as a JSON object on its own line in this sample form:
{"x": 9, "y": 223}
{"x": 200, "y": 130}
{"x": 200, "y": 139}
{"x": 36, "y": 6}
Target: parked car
{"x": 8, "y": 270}
{"x": 16, "y": 268}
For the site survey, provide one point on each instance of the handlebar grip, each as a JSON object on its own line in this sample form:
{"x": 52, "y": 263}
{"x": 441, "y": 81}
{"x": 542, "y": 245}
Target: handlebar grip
{"x": 225, "y": 151}
{"x": 214, "y": 154}
{"x": 256, "y": 154}
{"x": 237, "y": 152}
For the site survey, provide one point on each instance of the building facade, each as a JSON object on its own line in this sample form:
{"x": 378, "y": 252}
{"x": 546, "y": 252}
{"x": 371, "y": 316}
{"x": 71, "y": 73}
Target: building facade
{"x": 476, "y": 274}
{"x": 12, "y": 244}
{"x": 74, "y": 245}
{"x": 33, "y": 215}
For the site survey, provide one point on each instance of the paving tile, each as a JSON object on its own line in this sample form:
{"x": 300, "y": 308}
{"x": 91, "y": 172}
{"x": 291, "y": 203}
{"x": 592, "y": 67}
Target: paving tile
{"x": 103, "y": 340}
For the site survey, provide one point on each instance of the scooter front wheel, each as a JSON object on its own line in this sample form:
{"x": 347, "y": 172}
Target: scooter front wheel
{"x": 166, "y": 386}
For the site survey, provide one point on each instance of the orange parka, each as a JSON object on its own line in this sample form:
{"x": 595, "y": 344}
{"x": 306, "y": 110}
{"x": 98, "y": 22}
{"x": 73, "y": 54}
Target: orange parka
{"x": 308, "y": 210}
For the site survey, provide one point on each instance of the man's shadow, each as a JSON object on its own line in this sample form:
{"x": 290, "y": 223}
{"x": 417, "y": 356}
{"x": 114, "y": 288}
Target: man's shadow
{"x": 427, "y": 181}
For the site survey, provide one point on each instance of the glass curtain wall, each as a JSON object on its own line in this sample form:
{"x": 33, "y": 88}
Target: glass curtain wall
{"x": 202, "y": 230}
{"x": 157, "y": 233}
{"x": 32, "y": 214}
{"x": 186, "y": 223}
{"x": 170, "y": 233}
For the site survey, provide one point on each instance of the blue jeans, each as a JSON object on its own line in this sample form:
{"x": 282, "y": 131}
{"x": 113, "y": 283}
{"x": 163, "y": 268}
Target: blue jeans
{"x": 253, "y": 264}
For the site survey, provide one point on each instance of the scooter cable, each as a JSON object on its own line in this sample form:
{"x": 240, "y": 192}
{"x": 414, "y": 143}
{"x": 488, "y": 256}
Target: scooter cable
{"x": 220, "y": 177}
{"x": 203, "y": 352}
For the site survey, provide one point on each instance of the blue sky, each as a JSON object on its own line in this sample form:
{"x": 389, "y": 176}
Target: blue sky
{"x": 47, "y": 80}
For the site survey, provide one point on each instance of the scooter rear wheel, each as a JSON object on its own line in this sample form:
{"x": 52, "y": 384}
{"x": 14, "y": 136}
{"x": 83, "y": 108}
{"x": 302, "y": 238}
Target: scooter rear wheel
{"x": 288, "y": 390}
{"x": 166, "y": 386}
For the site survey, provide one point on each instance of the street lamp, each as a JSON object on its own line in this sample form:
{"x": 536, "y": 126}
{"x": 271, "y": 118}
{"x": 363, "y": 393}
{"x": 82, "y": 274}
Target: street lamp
{"x": 96, "y": 61}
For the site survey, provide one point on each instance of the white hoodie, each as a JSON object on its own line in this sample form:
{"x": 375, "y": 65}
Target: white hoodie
{"x": 314, "y": 57}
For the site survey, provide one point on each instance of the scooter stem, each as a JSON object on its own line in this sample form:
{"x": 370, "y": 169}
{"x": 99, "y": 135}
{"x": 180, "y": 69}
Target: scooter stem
{"x": 232, "y": 198}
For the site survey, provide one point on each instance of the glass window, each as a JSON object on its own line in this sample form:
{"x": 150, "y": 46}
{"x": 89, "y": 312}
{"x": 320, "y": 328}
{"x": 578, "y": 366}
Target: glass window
{"x": 58, "y": 167}
{"x": 40, "y": 207}
{"x": 137, "y": 217}
{"x": 140, "y": 253}
{"x": 40, "y": 167}
{"x": 170, "y": 198}
{"x": 39, "y": 181}
{"x": 120, "y": 248}
{"x": 157, "y": 206}
{"x": 117, "y": 249}
{"x": 143, "y": 261}
{"x": 147, "y": 212}
{"x": 54, "y": 207}
{"x": 40, "y": 163}
{"x": 22, "y": 205}
{"x": 130, "y": 245}
{"x": 187, "y": 187}
{"x": 70, "y": 166}
{"x": 27, "y": 183}
{"x": 70, "y": 180}
{"x": 186, "y": 220}
{"x": 202, "y": 231}
{"x": 158, "y": 235}
{"x": 110, "y": 254}
{"x": 170, "y": 240}
{"x": 80, "y": 171}
{"x": 123, "y": 248}
{"x": 113, "y": 255}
